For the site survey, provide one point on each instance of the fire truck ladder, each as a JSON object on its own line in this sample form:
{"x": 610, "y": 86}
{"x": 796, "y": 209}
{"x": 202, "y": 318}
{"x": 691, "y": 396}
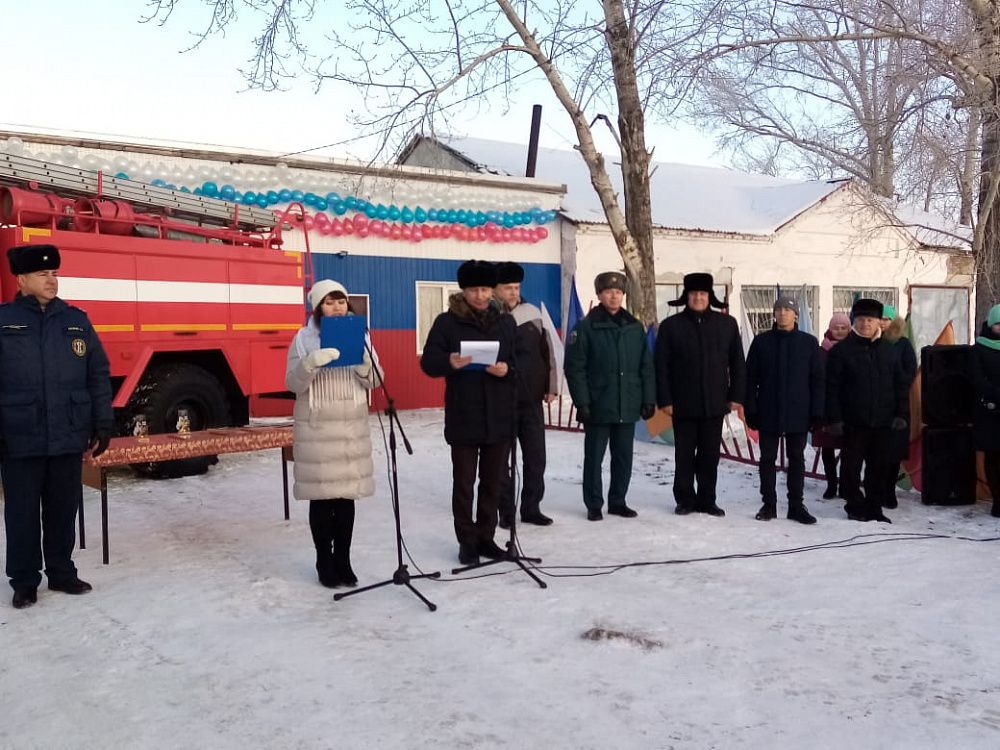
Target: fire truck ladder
{"x": 22, "y": 172}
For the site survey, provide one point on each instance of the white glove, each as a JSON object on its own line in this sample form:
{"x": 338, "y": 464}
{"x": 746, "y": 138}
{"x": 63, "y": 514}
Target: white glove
{"x": 364, "y": 370}
{"x": 321, "y": 358}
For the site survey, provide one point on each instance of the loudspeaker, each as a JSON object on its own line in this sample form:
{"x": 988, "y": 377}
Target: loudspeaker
{"x": 949, "y": 466}
{"x": 947, "y": 393}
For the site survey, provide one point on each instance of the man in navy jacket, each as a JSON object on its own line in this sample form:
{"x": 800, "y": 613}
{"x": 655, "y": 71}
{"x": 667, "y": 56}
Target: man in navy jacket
{"x": 785, "y": 394}
{"x": 55, "y": 402}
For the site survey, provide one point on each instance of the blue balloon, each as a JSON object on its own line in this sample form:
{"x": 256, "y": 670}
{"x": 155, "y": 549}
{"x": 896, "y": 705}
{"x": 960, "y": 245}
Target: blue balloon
{"x": 121, "y": 176}
{"x": 536, "y": 213}
{"x": 249, "y": 197}
{"x": 237, "y": 197}
{"x": 185, "y": 189}
{"x": 451, "y": 216}
{"x": 493, "y": 216}
{"x": 170, "y": 186}
{"x": 480, "y": 218}
{"x": 351, "y": 203}
{"x": 406, "y": 215}
{"x": 226, "y": 192}
{"x": 382, "y": 211}
{"x": 370, "y": 211}
{"x": 297, "y": 196}
{"x": 196, "y": 191}
{"x": 419, "y": 215}
{"x": 321, "y": 204}
{"x": 432, "y": 215}
{"x": 284, "y": 195}
{"x": 160, "y": 183}
{"x": 339, "y": 207}
{"x": 394, "y": 212}
{"x": 272, "y": 196}
{"x": 210, "y": 189}
{"x": 332, "y": 198}
{"x": 309, "y": 199}
{"x": 461, "y": 216}
{"x": 262, "y": 200}
{"x": 508, "y": 222}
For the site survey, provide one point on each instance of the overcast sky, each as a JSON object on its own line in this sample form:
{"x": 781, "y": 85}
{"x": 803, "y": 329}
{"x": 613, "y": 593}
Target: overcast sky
{"x": 93, "y": 69}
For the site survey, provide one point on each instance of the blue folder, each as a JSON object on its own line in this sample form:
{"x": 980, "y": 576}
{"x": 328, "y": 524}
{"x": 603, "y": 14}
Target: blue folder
{"x": 346, "y": 333}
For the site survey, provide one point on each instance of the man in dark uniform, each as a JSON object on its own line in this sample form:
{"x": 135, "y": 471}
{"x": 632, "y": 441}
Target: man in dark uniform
{"x": 700, "y": 377}
{"x": 55, "y": 401}
{"x": 535, "y": 373}
{"x": 867, "y": 402}
{"x": 785, "y": 392}
{"x": 609, "y": 371}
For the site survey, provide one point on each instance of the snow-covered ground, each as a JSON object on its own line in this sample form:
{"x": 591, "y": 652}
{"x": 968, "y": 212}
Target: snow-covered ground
{"x": 209, "y": 629}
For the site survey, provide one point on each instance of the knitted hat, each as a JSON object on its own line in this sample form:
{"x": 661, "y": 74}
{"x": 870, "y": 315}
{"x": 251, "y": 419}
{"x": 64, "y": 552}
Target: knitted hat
{"x": 322, "y": 288}
{"x": 609, "y": 280}
{"x": 31, "y": 258}
{"x": 787, "y": 303}
{"x": 477, "y": 273}
{"x": 840, "y": 319}
{"x": 871, "y": 308}
{"x": 698, "y": 282}
{"x": 994, "y": 317}
{"x": 509, "y": 272}
{"x": 888, "y": 311}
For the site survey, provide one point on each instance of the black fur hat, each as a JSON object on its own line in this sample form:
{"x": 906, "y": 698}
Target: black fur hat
{"x": 477, "y": 273}
{"x": 31, "y": 258}
{"x": 871, "y": 308}
{"x": 610, "y": 280}
{"x": 698, "y": 282}
{"x": 509, "y": 272}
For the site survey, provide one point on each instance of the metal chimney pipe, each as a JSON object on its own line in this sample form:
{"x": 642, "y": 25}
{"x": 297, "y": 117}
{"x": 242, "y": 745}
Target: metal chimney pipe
{"x": 536, "y": 125}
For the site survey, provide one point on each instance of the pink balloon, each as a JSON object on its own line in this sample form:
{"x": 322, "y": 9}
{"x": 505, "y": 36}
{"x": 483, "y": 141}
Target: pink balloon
{"x": 359, "y": 220}
{"x": 542, "y": 233}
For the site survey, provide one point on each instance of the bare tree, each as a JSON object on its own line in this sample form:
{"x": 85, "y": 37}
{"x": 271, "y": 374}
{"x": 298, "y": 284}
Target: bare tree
{"x": 415, "y": 63}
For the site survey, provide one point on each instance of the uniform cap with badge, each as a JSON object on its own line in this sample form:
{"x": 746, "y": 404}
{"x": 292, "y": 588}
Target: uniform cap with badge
{"x": 31, "y": 258}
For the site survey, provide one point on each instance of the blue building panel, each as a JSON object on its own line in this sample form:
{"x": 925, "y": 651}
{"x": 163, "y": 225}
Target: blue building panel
{"x": 391, "y": 284}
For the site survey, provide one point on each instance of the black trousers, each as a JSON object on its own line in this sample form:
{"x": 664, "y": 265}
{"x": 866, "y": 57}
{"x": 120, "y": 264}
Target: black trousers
{"x": 596, "y": 438}
{"x": 41, "y": 497}
{"x": 870, "y": 447}
{"x": 795, "y": 446}
{"x": 829, "y": 464}
{"x": 697, "y": 444}
{"x": 531, "y": 438}
{"x": 491, "y": 462}
{"x": 991, "y": 461}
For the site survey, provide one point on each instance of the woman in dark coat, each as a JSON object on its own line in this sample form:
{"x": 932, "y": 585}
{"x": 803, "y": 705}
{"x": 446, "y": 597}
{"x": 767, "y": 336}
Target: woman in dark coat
{"x": 986, "y": 378}
{"x": 899, "y": 448}
{"x": 479, "y": 405}
{"x": 840, "y": 326}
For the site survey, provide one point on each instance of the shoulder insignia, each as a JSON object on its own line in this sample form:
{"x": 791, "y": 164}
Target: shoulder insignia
{"x": 79, "y": 347}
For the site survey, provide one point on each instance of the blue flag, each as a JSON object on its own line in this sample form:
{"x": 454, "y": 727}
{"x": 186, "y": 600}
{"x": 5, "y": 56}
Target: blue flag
{"x": 575, "y": 313}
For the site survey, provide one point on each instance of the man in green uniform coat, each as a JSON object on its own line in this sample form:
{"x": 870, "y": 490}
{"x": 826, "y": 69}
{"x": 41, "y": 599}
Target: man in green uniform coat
{"x": 609, "y": 371}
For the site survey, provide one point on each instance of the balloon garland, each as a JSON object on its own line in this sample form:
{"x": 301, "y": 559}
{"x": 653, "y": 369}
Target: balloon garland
{"x": 348, "y": 214}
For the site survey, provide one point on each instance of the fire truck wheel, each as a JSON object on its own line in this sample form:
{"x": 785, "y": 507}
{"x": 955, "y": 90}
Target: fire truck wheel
{"x": 162, "y": 393}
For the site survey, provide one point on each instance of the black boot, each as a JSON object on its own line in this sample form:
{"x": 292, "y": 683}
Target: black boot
{"x": 343, "y": 533}
{"x": 489, "y": 548}
{"x": 767, "y": 512}
{"x": 468, "y": 554}
{"x": 797, "y": 512}
{"x": 24, "y": 598}
{"x": 996, "y": 509}
{"x": 70, "y": 586}
{"x": 321, "y": 526}
{"x": 831, "y": 488}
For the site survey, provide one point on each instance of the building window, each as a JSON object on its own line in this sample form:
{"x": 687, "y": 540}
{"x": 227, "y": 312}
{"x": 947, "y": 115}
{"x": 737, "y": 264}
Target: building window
{"x": 668, "y": 292}
{"x": 758, "y": 305}
{"x": 432, "y": 300}
{"x": 844, "y": 296}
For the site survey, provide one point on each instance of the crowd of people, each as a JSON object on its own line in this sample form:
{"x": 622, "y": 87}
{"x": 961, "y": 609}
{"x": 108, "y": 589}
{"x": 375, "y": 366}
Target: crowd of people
{"x": 850, "y": 391}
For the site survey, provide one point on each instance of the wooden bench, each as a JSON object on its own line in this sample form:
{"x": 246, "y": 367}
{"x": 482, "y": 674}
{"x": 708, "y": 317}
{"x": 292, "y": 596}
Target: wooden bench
{"x": 123, "y": 451}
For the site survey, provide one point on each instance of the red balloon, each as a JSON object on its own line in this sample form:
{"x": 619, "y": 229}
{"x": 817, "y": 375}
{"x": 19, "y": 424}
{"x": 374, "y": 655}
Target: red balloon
{"x": 416, "y": 236}
{"x": 395, "y": 232}
{"x": 308, "y": 223}
{"x": 426, "y": 230}
{"x": 348, "y": 226}
{"x": 505, "y": 235}
{"x": 323, "y": 229}
{"x": 336, "y": 228}
{"x": 406, "y": 231}
{"x": 359, "y": 220}
{"x": 445, "y": 231}
{"x": 378, "y": 228}
{"x": 362, "y": 232}
{"x": 481, "y": 234}
{"x": 542, "y": 233}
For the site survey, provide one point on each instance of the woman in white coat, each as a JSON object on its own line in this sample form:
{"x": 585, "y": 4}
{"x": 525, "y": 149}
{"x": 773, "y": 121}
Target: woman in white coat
{"x": 333, "y": 450}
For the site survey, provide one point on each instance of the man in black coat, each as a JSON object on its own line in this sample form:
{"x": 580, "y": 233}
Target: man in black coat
{"x": 535, "y": 372}
{"x": 479, "y": 404}
{"x": 700, "y": 377}
{"x": 785, "y": 393}
{"x": 867, "y": 400}
{"x": 55, "y": 402}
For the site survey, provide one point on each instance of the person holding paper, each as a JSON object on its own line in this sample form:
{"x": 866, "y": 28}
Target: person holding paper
{"x": 536, "y": 382}
{"x": 479, "y": 403}
{"x": 609, "y": 371}
{"x": 332, "y": 443}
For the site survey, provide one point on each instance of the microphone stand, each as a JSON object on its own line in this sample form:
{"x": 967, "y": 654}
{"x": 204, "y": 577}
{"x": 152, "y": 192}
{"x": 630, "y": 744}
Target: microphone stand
{"x": 513, "y": 553}
{"x": 401, "y": 576}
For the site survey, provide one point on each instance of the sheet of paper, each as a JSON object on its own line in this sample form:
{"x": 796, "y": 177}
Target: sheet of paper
{"x": 482, "y": 352}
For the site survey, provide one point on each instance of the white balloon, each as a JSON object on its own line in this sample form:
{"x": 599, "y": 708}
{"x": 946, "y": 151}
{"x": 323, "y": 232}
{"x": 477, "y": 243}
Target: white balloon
{"x": 15, "y": 146}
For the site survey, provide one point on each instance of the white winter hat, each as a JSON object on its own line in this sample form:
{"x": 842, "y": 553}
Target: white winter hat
{"x": 322, "y": 288}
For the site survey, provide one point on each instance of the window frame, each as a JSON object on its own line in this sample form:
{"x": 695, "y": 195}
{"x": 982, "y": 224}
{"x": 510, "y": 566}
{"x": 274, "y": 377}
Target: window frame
{"x": 447, "y": 288}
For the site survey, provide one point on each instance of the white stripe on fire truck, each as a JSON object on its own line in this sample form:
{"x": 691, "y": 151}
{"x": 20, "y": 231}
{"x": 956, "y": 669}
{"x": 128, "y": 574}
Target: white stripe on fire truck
{"x": 131, "y": 290}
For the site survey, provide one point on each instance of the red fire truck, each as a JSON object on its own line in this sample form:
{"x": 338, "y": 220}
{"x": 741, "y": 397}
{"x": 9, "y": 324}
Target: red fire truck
{"x": 193, "y": 298}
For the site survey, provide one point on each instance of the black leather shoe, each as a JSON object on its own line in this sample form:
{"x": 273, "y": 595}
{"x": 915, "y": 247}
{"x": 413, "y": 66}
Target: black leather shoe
{"x": 831, "y": 491}
{"x": 468, "y": 554}
{"x": 800, "y": 514}
{"x": 24, "y": 598}
{"x": 683, "y": 510}
{"x": 624, "y": 511}
{"x": 713, "y": 510}
{"x": 595, "y": 515}
{"x": 880, "y": 517}
{"x": 536, "y": 519}
{"x": 767, "y": 512}
{"x": 488, "y": 548}
{"x": 890, "y": 503}
{"x": 70, "y": 586}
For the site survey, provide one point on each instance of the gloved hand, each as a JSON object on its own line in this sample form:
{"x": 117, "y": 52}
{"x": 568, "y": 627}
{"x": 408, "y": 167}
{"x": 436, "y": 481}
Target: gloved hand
{"x": 321, "y": 358}
{"x": 836, "y": 429}
{"x": 364, "y": 370}
{"x": 898, "y": 424}
{"x": 583, "y": 414}
{"x": 646, "y": 411}
{"x": 99, "y": 441}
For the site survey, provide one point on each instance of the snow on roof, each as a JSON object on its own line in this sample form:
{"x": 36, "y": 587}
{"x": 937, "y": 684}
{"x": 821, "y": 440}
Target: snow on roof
{"x": 684, "y": 196}
{"x": 931, "y": 230}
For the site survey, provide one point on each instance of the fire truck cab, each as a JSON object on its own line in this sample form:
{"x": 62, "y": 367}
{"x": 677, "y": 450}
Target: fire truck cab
{"x": 192, "y": 316}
